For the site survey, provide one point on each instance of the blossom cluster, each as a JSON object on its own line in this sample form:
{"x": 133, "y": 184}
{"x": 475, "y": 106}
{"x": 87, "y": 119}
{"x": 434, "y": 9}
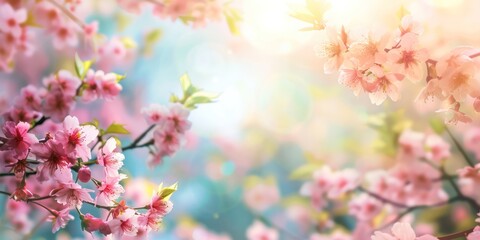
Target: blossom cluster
{"x": 68, "y": 164}
{"x": 193, "y": 12}
{"x": 418, "y": 179}
{"x": 170, "y": 125}
{"x": 379, "y": 63}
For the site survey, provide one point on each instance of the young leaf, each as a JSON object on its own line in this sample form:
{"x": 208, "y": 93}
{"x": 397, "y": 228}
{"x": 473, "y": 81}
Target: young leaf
{"x": 199, "y": 98}
{"x": 81, "y": 67}
{"x": 185, "y": 82}
{"x": 116, "y": 128}
{"x": 166, "y": 192}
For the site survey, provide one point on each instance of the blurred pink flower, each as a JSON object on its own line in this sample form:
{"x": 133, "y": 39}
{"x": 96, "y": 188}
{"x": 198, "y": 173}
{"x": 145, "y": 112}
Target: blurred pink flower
{"x": 17, "y": 138}
{"x": 258, "y": 231}
{"x": 401, "y": 231}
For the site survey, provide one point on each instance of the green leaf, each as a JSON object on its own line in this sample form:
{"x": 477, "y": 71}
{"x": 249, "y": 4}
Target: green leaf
{"x": 199, "y": 98}
{"x": 437, "y": 125}
{"x": 120, "y": 77}
{"x": 174, "y": 98}
{"x": 233, "y": 17}
{"x": 94, "y": 123}
{"x": 166, "y": 192}
{"x": 81, "y": 67}
{"x": 185, "y": 82}
{"x": 116, "y": 128}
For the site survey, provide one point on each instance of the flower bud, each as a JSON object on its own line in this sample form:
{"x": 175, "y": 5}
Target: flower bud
{"x": 84, "y": 174}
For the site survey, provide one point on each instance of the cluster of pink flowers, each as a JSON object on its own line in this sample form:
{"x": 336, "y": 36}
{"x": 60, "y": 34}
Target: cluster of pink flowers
{"x": 415, "y": 181}
{"x": 14, "y": 35}
{"x": 379, "y": 63}
{"x": 196, "y": 12}
{"x": 57, "y": 157}
{"x": 17, "y": 20}
{"x": 170, "y": 125}
{"x": 57, "y": 98}
{"x": 328, "y": 184}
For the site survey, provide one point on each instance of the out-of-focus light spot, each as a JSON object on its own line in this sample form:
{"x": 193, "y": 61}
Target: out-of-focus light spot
{"x": 269, "y": 27}
{"x": 228, "y": 168}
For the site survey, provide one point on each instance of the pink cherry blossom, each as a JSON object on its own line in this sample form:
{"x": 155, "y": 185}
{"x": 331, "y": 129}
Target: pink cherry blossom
{"x": 58, "y": 105}
{"x": 92, "y": 224}
{"x": 53, "y": 157}
{"x": 111, "y": 160}
{"x": 64, "y": 35}
{"x": 258, "y": 231}
{"x": 161, "y": 206}
{"x": 365, "y": 208}
{"x": 17, "y": 138}
{"x": 167, "y": 140}
{"x": 475, "y": 234}
{"x": 151, "y": 220}
{"x": 75, "y": 138}
{"x": 11, "y": 19}
{"x": 155, "y": 113}
{"x": 386, "y": 85}
{"x": 61, "y": 219}
{"x": 408, "y": 59}
{"x": 401, "y": 231}
{"x": 109, "y": 190}
{"x": 72, "y": 195}
{"x": 332, "y": 50}
{"x": 261, "y": 196}
{"x": 411, "y": 145}
{"x": 100, "y": 85}
{"x": 352, "y": 76}
{"x": 177, "y": 118}
{"x": 125, "y": 224}
{"x": 471, "y": 141}
{"x": 437, "y": 148}
{"x": 342, "y": 182}
{"x": 31, "y": 97}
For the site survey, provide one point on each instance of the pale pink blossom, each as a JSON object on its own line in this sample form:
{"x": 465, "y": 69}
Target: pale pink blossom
{"x": 343, "y": 181}
{"x": 17, "y": 138}
{"x": 64, "y": 35}
{"x": 408, "y": 59}
{"x": 258, "y": 231}
{"x": 177, "y": 118}
{"x": 11, "y": 19}
{"x": 364, "y": 207}
{"x": 167, "y": 140}
{"x": 125, "y": 224}
{"x": 72, "y": 195}
{"x": 160, "y": 205}
{"x": 58, "y": 105}
{"x": 110, "y": 159}
{"x": 475, "y": 234}
{"x": 61, "y": 219}
{"x": 411, "y": 145}
{"x": 401, "y": 231}
{"x": 471, "y": 141}
{"x": 84, "y": 174}
{"x": 53, "y": 157}
{"x": 386, "y": 85}
{"x": 155, "y": 113}
{"x": 261, "y": 196}
{"x": 75, "y": 138}
{"x": 437, "y": 148}
{"x": 151, "y": 220}
{"x": 370, "y": 50}
{"x": 332, "y": 49}
{"x": 100, "y": 85}
{"x": 109, "y": 190}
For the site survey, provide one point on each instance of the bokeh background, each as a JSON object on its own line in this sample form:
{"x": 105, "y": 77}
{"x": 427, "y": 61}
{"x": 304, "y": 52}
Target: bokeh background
{"x": 277, "y": 110}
